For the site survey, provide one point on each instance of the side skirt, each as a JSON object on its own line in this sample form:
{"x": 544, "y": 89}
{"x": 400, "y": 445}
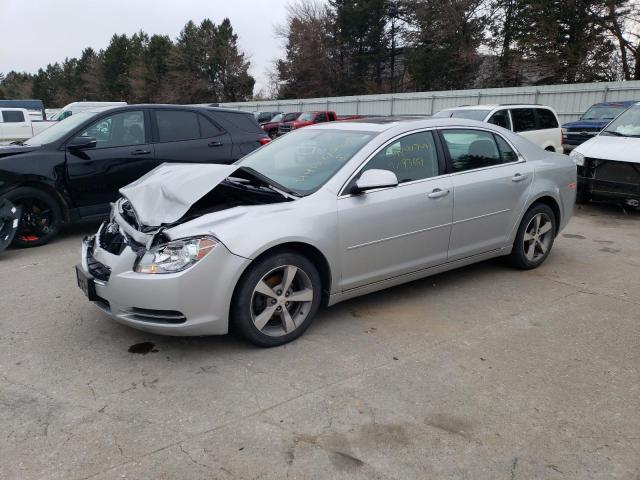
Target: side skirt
{"x": 410, "y": 277}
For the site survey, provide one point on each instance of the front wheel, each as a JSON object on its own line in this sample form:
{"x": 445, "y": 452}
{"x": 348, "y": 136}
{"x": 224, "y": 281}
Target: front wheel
{"x": 535, "y": 237}
{"x": 276, "y": 299}
{"x": 41, "y": 217}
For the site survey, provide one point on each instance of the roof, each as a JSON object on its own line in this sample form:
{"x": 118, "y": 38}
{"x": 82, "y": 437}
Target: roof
{"x": 156, "y": 106}
{"x": 491, "y": 106}
{"x": 381, "y": 124}
{"x": 626, "y": 103}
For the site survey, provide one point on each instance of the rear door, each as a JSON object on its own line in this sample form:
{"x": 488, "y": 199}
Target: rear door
{"x": 243, "y": 128}
{"x": 490, "y": 184}
{"x": 123, "y": 153}
{"x": 188, "y": 136}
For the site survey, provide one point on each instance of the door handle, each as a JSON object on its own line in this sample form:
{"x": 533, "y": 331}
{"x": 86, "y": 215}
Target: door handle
{"x": 437, "y": 193}
{"x": 140, "y": 151}
{"x": 215, "y": 144}
{"x": 518, "y": 177}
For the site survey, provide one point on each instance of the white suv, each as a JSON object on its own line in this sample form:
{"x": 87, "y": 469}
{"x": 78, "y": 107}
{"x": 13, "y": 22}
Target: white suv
{"x": 537, "y": 123}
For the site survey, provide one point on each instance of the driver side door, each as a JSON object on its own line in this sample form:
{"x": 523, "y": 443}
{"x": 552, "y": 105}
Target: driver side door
{"x": 123, "y": 153}
{"x": 389, "y": 232}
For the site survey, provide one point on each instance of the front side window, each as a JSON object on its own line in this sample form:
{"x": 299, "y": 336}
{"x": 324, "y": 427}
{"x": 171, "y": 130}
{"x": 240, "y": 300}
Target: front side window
{"x": 524, "y": 119}
{"x": 413, "y": 157}
{"x": 501, "y": 119}
{"x": 177, "y": 125}
{"x": 290, "y": 117}
{"x": 546, "y": 119}
{"x": 118, "y": 130}
{"x": 12, "y": 116}
{"x": 471, "y": 149}
{"x": 305, "y": 160}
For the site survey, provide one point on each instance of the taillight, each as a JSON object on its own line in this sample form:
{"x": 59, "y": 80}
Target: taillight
{"x": 264, "y": 140}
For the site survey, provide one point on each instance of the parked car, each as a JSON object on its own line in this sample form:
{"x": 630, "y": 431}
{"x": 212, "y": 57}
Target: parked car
{"x": 272, "y": 127}
{"x": 77, "y": 107}
{"x": 264, "y": 117}
{"x": 306, "y": 119}
{"x": 324, "y": 214}
{"x": 591, "y": 123}
{"x": 609, "y": 164}
{"x": 16, "y": 125}
{"x": 537, "y": 123}
{"x": 73, "y": 170}
{"x": 34, "y": 107}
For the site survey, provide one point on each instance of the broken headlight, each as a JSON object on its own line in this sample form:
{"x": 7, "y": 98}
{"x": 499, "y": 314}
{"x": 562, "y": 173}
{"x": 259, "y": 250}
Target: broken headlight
{"x": 175, "y": 256}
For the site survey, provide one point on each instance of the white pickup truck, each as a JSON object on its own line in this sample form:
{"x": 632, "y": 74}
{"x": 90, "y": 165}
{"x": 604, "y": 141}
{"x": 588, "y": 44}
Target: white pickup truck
{"x": 16, "y": 125}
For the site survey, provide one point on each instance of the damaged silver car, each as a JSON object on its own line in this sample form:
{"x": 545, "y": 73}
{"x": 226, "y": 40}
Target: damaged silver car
{"x": 327, "y": 213}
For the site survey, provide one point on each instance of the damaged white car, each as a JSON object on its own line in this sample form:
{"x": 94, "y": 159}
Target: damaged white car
{"x": 324, "y": 214}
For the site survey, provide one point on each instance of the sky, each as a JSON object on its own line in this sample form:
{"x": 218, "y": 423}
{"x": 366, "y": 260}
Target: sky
{"x": 34, "y": 33}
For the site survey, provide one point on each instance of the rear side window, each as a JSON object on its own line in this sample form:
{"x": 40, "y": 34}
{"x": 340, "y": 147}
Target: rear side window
{"x": 177, "y": 125}
{"x": 10, "y": 116}
{"x": 322, "y": 117}
{"x": 411, "y": 158}
{"x": 501, "y": 118}
{"x": 471, "y": 149}
{"x": 546, "y": 119}
{"x": 524, "y": 119}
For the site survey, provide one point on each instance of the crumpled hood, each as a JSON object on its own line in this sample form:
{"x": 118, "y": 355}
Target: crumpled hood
{"x": 167, "y": 192}
{"x": 622, "y": 149}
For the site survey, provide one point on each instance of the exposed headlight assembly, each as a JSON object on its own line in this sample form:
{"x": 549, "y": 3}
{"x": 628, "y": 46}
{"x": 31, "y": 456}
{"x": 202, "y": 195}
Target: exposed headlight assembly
{"x": 577, "y": 158}
{"x": 175, "y": 256}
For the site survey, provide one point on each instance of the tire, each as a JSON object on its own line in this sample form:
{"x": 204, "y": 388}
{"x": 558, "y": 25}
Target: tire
{"x": 273, "y": 134}
{"x": 533, "y": 245}
{"x": 41, "y": 216}
{"x": 260, "y": 311}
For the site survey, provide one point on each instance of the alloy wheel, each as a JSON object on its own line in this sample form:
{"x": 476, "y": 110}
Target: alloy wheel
{"x": 281, "y": 301}
{"x": 538, "y": 237}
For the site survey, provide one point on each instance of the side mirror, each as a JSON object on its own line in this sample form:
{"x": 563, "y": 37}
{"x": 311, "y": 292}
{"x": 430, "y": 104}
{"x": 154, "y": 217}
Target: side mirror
{"x": 80, "y": 143}
{"x": 376, "y": 178}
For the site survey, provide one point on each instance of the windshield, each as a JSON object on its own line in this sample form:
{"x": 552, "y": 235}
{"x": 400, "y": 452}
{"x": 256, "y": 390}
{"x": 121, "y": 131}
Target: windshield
{"x": 306, "y": 117}
{"x": 305, "y": 160}
{"x": 627, "y": 124}
{"x": 60, "y": 129}
{"x": 479, "y": 115}
{"x": 290, "y": 117}
{"x": 603, "y": 112}
{"x": 277, "y": 118}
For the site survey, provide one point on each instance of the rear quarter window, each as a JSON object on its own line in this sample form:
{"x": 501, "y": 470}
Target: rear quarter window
{"x": 546, "y": 119}
{"x": 244, "y": 122}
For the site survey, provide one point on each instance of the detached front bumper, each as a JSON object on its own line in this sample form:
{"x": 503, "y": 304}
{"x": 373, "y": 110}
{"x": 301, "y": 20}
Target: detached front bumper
{"x": 192, "y": 302}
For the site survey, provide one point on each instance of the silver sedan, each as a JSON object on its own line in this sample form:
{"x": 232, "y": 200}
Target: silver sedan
{"x": 321, "y": 215}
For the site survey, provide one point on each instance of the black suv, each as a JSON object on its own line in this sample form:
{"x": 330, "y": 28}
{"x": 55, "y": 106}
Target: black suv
{"x": 73, "y": 170}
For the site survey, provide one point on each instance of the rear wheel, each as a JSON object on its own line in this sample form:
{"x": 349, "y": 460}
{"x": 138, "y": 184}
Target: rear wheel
{"x": 535, "y": 237}
{"x": 41, "y": 217}
{"x": 276, "y": 299}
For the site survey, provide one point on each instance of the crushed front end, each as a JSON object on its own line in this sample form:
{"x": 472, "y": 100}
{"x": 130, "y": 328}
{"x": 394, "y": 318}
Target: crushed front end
{"x": 123, "y": 274}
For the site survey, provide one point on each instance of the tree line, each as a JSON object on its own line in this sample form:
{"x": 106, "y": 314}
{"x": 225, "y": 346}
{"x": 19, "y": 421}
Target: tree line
{"x": 353, "y": 47}
{"x": 203, "y": 65}
{"x": 348, "y": 47}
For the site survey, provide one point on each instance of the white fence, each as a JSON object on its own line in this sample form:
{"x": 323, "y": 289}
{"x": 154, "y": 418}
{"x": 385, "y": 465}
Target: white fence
{"x": 570, "y": 101}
